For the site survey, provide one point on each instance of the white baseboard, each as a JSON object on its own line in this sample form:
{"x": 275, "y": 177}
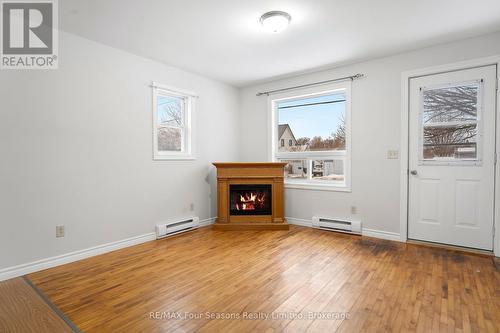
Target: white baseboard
{"x": 301, "y": 222}
{"x": 35, "y": 266}
{"x": 207, "y": 222}
{"x": 393, "y": 236}
{"x": 23, "y": 269}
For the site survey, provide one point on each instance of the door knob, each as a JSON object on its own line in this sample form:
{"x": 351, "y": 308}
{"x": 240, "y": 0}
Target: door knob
{"x": 413, "y": 172}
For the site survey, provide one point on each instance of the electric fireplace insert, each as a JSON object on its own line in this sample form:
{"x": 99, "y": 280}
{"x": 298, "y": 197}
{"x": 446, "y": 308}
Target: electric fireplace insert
{"x": 250, "y": 199}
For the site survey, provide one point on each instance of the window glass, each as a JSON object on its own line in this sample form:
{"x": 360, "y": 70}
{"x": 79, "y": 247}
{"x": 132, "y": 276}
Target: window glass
{"x": 450, "y": 122}
{"x": 313, "y": 123}
{"x": 170, "y": 114}
{"x": 170, "y": 111}
{"x": 169, "y": 139}
{"x": 332, "y": 170}
{"x": 295, "y": 169}
{"x": 451, "y": 142}
{"x": 451, "y": 103}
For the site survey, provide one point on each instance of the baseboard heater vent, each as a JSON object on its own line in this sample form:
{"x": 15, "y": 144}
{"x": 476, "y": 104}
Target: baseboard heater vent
{"x": 332, "y": 224}
{"x": 176, "y": 227}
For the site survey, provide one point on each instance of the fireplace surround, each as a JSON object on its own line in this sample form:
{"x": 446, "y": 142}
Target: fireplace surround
{"x": 250, "y": 196}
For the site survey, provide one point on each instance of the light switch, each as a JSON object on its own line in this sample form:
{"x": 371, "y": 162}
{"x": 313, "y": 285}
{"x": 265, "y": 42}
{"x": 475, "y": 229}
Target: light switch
{"x": 59, "y": 231}
{"x": 392, "y": 154}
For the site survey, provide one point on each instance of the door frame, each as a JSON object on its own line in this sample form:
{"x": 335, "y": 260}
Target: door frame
{"x": 404, "y": 151}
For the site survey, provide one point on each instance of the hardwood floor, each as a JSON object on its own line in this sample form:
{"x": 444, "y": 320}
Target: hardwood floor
{"x": 23, "y": 310}
{"x": 379, "y": 285}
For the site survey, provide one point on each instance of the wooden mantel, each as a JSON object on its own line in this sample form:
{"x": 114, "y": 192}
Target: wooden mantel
{"x": 250, "y": 173}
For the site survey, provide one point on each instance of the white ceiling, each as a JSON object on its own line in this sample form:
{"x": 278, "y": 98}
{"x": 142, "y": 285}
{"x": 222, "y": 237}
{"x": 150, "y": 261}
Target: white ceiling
{"x": 222, "y": 39}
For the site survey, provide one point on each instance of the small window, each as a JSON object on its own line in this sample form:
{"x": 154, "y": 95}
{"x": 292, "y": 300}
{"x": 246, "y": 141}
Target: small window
{"x": 282, "y": 142}
{"x": 450, "y": 122}
{"x": 315, "y": 123}
{"x": 172, "y": 124}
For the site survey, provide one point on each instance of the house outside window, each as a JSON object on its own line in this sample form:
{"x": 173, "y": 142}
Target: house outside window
{"x": 316, "y": 124}
{"x": 285, "y": 134}
{"x": 172, "y": 123}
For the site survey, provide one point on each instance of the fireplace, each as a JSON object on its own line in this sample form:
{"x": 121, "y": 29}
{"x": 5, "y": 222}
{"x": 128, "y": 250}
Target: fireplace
{"x": 250, "y": 196}
{"x": 250, "y": 199}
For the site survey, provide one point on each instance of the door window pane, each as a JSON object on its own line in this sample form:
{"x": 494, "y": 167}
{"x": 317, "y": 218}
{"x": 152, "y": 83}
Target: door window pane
{"x": 328, "y": 170}
{"x": 451, "y": 142}
{"x": 450, "y": 122}
{"x": 451, "y": 103}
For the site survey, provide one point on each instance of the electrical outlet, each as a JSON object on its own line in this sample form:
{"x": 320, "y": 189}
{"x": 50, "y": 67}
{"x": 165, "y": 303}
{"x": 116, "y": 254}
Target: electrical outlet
{"x": 392, "y": 154}
{"x": 60, "y": 231}
{"x": 354, "y": 210}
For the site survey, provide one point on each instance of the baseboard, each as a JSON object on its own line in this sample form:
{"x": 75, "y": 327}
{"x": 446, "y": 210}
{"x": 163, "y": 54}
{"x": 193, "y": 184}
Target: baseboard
{"x": 23, "y": 269}
{"x": 301, "y": 222}
{"x": 393, "y": 236}
{"x": 35, "y": 266}
{"x": 207, "y": 222}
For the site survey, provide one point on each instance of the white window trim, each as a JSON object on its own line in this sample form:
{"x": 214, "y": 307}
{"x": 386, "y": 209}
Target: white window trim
{"x": 187, "y": 149}
{"x": 274, "y": 155}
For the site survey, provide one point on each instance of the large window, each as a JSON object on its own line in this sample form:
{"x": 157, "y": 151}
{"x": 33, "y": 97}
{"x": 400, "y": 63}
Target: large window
{"x": 315, "y": 125}
{"x": 172, "y": 132}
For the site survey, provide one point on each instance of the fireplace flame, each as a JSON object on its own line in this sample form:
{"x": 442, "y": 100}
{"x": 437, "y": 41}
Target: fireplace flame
{"x": 250, "y": 201}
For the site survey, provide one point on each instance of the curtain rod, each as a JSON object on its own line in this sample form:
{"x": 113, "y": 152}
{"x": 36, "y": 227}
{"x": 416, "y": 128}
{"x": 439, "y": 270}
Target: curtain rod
{"x": 352, "y": 77}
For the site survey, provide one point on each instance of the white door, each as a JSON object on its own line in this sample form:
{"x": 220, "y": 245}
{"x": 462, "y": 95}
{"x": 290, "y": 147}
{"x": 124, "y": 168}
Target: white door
{"x": 452, "y": 157}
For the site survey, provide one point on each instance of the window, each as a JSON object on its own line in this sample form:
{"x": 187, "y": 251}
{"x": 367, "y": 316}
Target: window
{"x": 172, "y": 123}
{"x": 282, "y": 142}
{"x": 450, "y": 123}
{"x": 316, "y": 124}
{"x": 295, "y": 169}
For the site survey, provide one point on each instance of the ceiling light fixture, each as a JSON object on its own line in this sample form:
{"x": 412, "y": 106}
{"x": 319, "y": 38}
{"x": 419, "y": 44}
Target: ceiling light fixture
{"x": 275, "y": 21}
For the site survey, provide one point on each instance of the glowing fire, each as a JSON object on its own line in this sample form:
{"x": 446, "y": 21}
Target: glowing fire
{"x": 251, "y": 201}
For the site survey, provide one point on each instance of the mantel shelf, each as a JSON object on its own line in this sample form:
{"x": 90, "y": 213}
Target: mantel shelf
{"x": 249, "y": 165}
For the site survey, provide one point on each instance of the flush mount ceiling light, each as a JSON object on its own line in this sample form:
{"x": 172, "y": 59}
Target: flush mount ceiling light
{"x": 275, "y": 21}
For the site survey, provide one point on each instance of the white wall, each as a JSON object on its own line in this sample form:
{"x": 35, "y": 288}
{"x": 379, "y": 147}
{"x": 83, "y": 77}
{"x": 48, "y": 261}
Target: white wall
{"x": 376, "y": 115}
{"x": 76, "y": 149}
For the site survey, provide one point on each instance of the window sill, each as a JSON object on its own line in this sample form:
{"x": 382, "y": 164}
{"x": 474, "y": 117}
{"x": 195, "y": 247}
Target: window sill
{"x": 317, "y": 187}
{"x": 174, "y": 157}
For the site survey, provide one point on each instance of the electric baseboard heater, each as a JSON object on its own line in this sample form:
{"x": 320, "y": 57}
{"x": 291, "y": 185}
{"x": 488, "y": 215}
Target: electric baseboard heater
{"x": 176, "y": 227}
{"x": 333, "y": 224}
